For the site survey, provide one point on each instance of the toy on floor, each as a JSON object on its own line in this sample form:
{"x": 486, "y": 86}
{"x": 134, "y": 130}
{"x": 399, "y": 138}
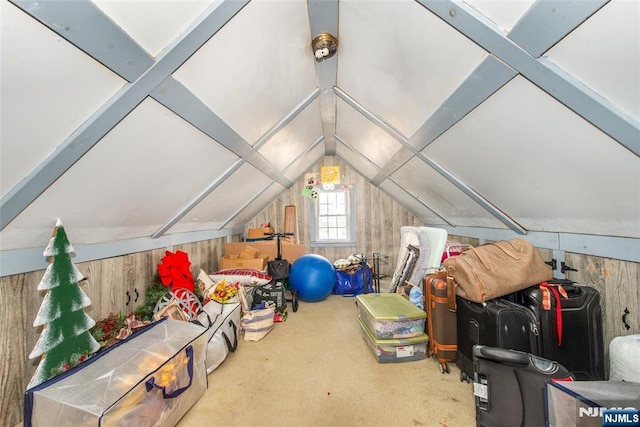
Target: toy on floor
{"x": 312, "y": 276}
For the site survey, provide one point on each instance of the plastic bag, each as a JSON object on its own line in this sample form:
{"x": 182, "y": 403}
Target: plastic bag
{"x": 353, "y": 283}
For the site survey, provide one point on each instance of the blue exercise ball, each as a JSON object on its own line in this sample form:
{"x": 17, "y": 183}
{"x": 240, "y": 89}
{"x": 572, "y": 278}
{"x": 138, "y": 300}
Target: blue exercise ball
{"x": 313, "y": 277}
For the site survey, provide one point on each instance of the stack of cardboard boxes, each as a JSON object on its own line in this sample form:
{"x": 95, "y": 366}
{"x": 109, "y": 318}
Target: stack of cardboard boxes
{"x": 255, "y": 255}
{"x": 247, "y": 257}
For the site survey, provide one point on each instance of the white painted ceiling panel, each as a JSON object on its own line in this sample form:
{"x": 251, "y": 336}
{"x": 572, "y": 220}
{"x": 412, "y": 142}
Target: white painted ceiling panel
{"x": 447, "y": 200}
{"x": 356, "y": 160}
{"x": 257, "y": 68}
{"x": 543, "y": 142}
{"x": 364, "y": 136}
{"x": 131, "y": 180}
{"x": 235, "y": 109}
{"x": 226, "y": 200}
{"x": 49, "y": 89}
{"x": 309, "y": 158}
{"x": 170, "y": 18}
{"x": 263, "y": 199}
{"x": 503, "y": 13}
{"x": 421, "y": 212}
{"x": 289, "y": 143}
{"x": 401, "y": 82}
{"x": 603, "y": 54}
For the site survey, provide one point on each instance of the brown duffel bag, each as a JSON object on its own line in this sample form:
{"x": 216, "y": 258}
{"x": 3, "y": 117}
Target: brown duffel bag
{"x": 496, "y": 269}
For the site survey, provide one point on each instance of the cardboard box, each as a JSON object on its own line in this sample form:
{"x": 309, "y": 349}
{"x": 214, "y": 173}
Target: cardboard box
{"x": 233, "y": 261}
{"x": 259, "y": 233}
{"x": 290, "y": 251}
{"x": 249, "y": 252}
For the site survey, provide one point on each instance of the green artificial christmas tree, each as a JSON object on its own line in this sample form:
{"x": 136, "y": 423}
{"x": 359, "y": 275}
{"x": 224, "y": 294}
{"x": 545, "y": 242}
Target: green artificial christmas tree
{"x": 65, "y": 340}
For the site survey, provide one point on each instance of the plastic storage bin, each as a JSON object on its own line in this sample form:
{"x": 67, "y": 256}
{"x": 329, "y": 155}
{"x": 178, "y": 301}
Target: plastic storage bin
{"x": 391, "y": 316}
{"x": 395, "y": 350}
{"x": 150, "y": 379}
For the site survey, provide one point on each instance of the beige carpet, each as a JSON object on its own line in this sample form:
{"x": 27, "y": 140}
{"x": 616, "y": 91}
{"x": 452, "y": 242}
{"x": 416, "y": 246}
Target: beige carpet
{"x": 315, "y": 369}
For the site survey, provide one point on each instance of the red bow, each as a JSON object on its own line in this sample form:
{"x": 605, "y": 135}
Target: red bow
{"x": 174, "y": 271}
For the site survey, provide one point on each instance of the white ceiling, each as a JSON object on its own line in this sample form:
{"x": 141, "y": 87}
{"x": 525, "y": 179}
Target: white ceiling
{"x": 133, "y": 119}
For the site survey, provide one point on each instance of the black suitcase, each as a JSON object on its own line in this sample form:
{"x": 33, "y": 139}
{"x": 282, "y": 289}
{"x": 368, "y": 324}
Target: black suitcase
{"x": 495, "y": 323}
{"x": 573, "y": 335}
{"x": 509, "y": 386}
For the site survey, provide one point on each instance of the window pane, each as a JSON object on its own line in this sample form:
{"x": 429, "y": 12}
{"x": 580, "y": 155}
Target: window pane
{"x": 332, "y": 215}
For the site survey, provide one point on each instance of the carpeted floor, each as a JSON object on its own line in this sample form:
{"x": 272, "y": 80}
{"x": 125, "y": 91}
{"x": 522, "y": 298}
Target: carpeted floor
{"x": 315, "y": 369}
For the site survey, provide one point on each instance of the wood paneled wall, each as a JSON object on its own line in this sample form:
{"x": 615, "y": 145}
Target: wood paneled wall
{"x": 378, "y": 223}
{"x": 378, "y": 218}
{"x": 112, "y": 284}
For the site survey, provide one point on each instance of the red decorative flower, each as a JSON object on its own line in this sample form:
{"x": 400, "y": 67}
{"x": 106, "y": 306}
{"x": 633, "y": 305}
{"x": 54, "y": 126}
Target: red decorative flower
{"x": 174, "y": 271}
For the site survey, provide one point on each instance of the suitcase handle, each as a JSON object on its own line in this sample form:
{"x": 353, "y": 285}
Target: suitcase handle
{"x": 151, "y": 382}
{"x": 502, "y": 355}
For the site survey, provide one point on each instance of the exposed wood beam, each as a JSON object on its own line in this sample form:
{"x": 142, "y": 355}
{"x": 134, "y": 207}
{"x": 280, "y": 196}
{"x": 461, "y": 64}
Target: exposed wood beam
{"x": 177, "y": 98}
{"x": 84, "y": 25}
{"x": 566, "y": 89}
{"x": 116, "y": 109}
{"x": 200, "y": 197}
{"x": 547, "y": 22}
{"x": 488, "y": 77}
{"x": 323, "y": 18}
{"x": 475, "y": 196}
{"x": 398, "y": 184}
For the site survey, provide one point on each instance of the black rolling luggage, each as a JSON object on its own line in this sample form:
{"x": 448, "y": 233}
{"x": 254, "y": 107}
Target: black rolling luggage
{"x": 571, "y": 332}
{"x": 495, "y": 323}
{"x": 509, "y": 386}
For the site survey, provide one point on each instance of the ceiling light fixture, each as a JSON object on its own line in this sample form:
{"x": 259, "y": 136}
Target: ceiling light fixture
{"x": 324, "y": 46}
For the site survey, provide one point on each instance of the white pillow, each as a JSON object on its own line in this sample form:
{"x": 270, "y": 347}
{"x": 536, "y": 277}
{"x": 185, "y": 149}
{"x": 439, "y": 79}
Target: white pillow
{"x": 244, "y": 276}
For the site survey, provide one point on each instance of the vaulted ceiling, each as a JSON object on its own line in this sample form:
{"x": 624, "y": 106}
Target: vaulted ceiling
{"x": 140, "y": 119}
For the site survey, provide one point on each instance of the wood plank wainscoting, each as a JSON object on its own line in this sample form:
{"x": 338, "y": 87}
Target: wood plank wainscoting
{"x": 378, "y": 224}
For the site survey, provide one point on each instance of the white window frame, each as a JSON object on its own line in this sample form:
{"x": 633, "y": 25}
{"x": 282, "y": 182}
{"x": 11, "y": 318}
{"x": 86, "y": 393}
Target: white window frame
{"x": 348, "y": 214}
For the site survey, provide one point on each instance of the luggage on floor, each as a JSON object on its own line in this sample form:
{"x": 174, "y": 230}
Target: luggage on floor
{"x": 151, "y": 378}
{"x": 394, "y": 350}
{"x": 390, "y": 316}
{"x": 624, "y": 357}
{"x": 496, "y": 269}
{"x": 569, "y": 319}
{"x": 509, "y": 386}
{"x": 440, "y": 305}
{"x": 495, "y": 323}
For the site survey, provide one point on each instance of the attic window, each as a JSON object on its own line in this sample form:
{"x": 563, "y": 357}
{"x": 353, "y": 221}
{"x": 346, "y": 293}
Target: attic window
{"x": 333, "y": 222}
